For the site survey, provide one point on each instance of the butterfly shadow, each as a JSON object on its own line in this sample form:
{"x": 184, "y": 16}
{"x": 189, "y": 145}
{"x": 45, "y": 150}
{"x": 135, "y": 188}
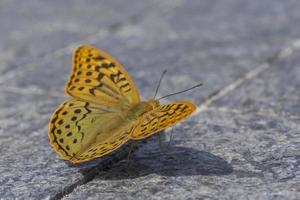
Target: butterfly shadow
{"x": 177, "y": 161}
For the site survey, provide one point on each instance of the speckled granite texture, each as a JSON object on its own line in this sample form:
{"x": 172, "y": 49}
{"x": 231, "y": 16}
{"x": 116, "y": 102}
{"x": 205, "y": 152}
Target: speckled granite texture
{"x": 243, "y": 142}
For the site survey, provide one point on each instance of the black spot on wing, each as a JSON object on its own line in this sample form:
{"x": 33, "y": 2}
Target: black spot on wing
{"x": 55, "y": 139}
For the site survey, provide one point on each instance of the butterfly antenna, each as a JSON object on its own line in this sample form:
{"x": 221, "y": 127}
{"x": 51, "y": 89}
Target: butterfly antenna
{"x": 161, "y": 77}
{"x": 198, "y": 85}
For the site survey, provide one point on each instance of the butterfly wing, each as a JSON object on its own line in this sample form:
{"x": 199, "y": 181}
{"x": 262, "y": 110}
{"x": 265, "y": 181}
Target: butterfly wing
{"x": 76, "y": 126}
{"x": 99, "y": 78}
{"x": 99, "y": 149}
{"x": 162, "y": 117}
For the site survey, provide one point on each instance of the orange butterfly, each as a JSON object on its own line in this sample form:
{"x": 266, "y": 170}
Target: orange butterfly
{"x": 106, "y": 110}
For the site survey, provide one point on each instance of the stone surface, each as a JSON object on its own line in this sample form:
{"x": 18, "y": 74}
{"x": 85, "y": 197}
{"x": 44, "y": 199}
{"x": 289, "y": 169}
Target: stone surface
{"x": 27, "y": 161}
{"x": 215, "y": 155}
{"x": 211, "y": 47}
{"x": 32, "y": 29}
{"x": 276, "y": 91}
{"x": 243, "y": 142}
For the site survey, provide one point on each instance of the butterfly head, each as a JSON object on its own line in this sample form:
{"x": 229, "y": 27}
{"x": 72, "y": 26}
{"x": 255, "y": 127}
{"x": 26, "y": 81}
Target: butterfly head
{"x": 154, "y": 103}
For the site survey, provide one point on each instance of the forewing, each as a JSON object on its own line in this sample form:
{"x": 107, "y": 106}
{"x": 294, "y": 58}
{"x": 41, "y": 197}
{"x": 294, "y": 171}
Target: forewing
{"x": 99, "y": 78}
{"x": 162, "y": 117}
{"x": 75, "y": 125}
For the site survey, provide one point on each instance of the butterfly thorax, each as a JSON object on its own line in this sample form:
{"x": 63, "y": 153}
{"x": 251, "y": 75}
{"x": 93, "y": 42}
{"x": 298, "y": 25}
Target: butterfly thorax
{"x": 141, "y": 108}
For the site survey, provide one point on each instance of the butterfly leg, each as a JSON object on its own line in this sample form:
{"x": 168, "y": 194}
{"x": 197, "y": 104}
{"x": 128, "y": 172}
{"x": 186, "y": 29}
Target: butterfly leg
{"x": 170, "y": 139}
{"x": 129, "y": 153}
{"x": 160, "y": 142}
{"x": 161, "y": 145}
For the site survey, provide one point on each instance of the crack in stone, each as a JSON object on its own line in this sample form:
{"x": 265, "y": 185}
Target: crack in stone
{"x": 281, "y": 54}
{"x": 90, "y": 173}
{"x": 261, "y": 112}
{"x": 69, "y": 48}
{"x": 31, "y": 91}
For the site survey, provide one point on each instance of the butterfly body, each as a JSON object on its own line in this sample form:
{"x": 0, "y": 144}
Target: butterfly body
{"x": 138, "y": 110}
{"x": 105, "y": 111}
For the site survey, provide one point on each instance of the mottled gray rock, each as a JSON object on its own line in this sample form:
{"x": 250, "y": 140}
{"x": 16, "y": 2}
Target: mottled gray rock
{"x": 32, "y": 29}
{"x": 213, "y": 155}
{"x": 211, "y": 47}
{"x": 28, "y": 167}
{"x": 244, "y": 144}
{"x": 276, "y": 91}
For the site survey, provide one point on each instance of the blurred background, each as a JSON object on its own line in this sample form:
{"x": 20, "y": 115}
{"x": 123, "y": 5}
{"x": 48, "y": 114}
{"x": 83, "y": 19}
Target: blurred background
{"x": 244, "y": 52}
{"x": 209, "y": 41}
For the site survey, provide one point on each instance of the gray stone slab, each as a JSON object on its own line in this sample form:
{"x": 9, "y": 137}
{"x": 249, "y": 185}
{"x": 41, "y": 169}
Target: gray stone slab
{"x": 29, "y": 167}
{"x": 210, "y": 47}
{"x": 275, "y": 91}
{"x": 214, "y": 155}
{"x": 31, "y": 29}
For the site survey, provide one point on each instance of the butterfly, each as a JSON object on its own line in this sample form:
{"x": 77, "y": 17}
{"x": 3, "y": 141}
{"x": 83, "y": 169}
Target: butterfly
{"x": 105, "y": 110}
